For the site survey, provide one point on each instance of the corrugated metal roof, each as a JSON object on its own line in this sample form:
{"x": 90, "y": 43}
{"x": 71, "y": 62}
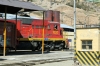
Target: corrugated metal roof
{"x": 13, "y": 16}
{"x": 66, "y": 26}
{"x": 13, "y": 6}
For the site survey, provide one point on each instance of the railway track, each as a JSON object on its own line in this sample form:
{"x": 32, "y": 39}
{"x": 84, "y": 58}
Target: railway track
{"x": 36, "y": 62}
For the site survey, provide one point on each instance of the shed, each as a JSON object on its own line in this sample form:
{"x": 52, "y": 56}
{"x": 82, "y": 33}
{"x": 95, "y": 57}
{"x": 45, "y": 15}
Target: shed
{"x": 13, "y": 7}
{"x": 88, "y": 46}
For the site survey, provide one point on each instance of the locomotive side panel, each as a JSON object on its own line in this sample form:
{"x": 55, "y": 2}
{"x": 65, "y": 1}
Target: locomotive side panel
{"x": 32, "y": 35}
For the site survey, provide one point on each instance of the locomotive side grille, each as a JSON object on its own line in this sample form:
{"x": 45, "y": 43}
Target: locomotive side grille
{"x": 26, "y": 21}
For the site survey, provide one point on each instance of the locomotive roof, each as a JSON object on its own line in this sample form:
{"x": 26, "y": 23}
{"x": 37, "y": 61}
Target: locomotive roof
{"x": 66, "y": 26}
{"x": 53, "y": 22}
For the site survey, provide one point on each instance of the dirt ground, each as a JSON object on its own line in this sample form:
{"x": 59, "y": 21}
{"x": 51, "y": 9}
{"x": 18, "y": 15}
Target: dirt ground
{"x": 63, "y": 63}
{"x": 25, "y": 56}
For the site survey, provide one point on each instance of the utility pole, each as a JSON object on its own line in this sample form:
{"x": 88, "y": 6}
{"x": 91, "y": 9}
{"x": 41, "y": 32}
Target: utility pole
{"x": 74, "y": 28}
{"x": 74, "y": 19}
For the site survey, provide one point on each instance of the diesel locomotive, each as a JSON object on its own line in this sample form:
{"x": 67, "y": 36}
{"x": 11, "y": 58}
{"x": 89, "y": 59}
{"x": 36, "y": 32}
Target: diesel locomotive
{"x": 27, "y": 33}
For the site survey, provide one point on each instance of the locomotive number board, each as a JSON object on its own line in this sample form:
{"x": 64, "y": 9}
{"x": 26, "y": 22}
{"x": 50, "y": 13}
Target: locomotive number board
{"x": 55, "y": 32}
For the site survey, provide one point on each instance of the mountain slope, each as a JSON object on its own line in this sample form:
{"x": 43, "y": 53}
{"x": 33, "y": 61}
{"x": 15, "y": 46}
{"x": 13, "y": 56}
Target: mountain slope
{"x": 88, "y": 16}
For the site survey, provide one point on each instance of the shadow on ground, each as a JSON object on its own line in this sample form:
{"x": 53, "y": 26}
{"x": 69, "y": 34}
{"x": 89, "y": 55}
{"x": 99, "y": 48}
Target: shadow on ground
{"x": 2, "y": 59}
{"x": 24, "y": 52}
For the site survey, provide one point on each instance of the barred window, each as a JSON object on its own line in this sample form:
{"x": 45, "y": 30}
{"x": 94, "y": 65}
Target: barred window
{"x": 86, "y": 44}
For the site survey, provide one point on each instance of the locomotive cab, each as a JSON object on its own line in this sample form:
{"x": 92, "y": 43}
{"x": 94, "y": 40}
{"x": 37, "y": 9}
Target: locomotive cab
{"x": 56, "y": 36}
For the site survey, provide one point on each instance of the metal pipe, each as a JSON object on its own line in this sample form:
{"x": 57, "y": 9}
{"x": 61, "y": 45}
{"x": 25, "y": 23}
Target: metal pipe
{"x": 43, "y": 35}
{"x": 4, "y": 49}
{"x": 75, "y": 19}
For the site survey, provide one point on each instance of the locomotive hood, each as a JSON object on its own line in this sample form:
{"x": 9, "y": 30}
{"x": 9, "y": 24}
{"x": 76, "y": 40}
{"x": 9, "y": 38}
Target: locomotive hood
{"x": 39, "y": 22}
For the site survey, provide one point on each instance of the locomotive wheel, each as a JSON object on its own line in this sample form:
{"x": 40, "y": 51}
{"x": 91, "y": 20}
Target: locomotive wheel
{"x": 60, "y": 48}
{"x": 7, "y": 50}
{"x": 47, "y": 50}
{"x": 52, "y": 46}
{"x": 33, "y": 49}
{"x": 1, "y": 51}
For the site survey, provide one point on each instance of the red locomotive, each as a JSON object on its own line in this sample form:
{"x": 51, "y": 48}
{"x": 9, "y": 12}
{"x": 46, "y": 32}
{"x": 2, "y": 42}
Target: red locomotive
{"x": 29, "y": 33}
{"x": 33, "y": 33}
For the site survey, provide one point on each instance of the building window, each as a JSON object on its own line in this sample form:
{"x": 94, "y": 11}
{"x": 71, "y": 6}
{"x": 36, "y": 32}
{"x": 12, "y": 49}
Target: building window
{"x": 86, "y": 44}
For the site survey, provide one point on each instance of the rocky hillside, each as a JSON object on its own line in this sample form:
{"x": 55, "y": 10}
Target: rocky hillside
{"x": 86, "y": 12}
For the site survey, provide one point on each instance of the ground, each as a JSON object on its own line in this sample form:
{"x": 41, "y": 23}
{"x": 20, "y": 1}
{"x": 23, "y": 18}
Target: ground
{"x": 36, "y": 58}
{"x": 63, "y": 63}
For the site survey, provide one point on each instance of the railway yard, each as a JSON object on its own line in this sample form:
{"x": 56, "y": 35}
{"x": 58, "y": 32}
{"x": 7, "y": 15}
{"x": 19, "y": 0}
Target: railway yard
{"x": 40, "y": 37}
{"x": 26, "y": 41}
{"x": 29, "y": 58}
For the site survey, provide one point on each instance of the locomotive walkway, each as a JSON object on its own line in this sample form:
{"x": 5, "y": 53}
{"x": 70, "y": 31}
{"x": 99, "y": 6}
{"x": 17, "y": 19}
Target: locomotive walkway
{"x": 27, "y": 58}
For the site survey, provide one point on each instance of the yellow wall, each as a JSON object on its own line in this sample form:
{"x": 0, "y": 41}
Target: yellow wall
{"x": 99, "y": 39}
{"x": 69, "y": 35}
{"x": 86, "y": 34}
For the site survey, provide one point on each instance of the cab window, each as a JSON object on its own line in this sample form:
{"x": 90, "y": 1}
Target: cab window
{"x": 55, "y": 27}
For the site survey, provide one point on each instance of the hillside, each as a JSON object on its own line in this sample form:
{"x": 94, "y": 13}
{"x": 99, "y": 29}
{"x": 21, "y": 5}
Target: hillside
{"x": 84, "y": 14}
